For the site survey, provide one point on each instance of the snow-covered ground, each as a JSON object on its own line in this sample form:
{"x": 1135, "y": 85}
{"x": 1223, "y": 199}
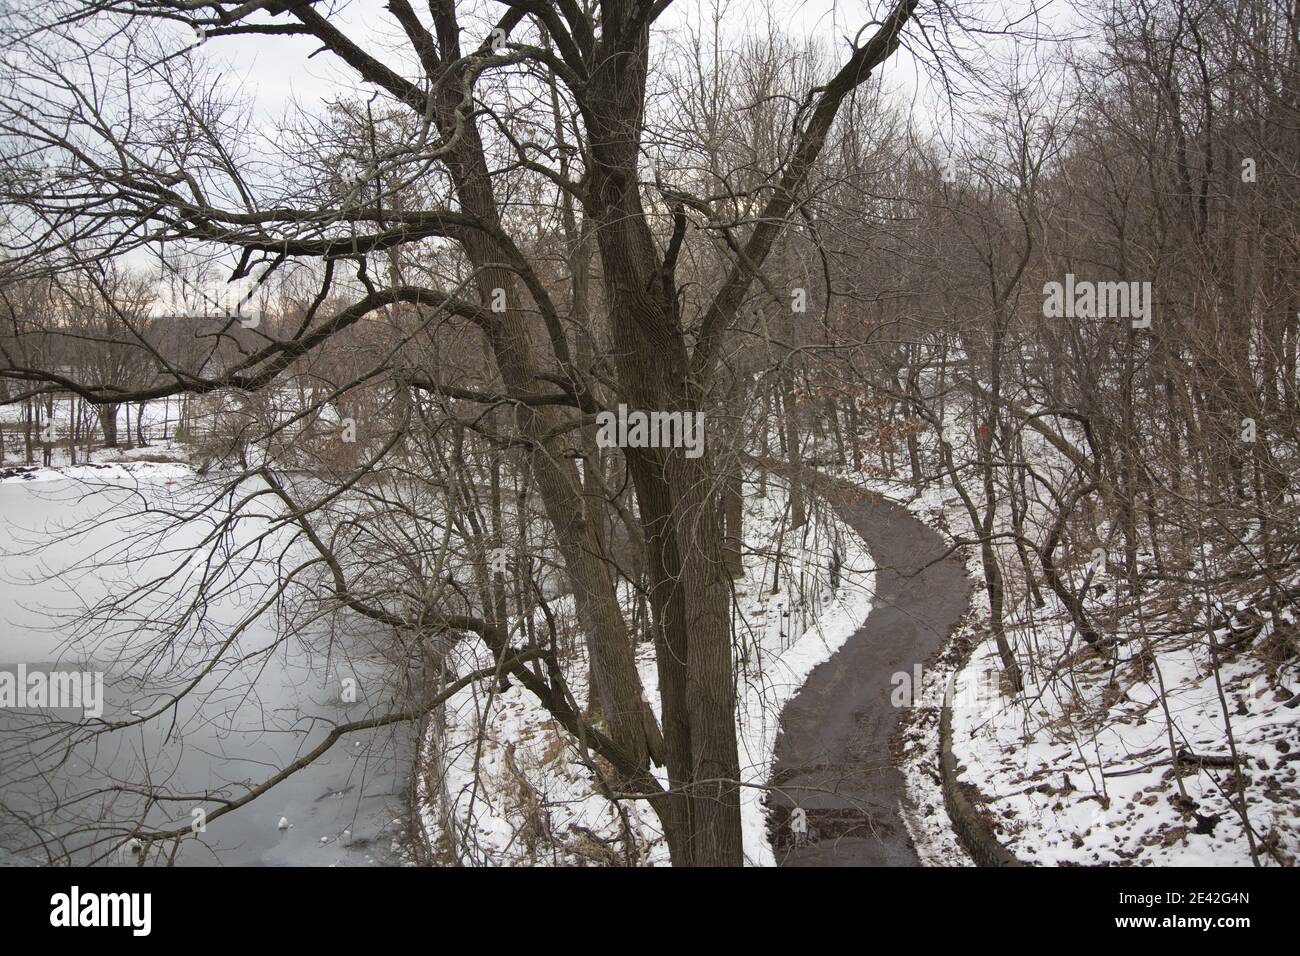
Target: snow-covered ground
{"x": 123, "y": 472}
{"x": 195, "y": 429}
{"x": 1087, "y": 766}
{"x": 1079, "y": 768}
{"x": 506, "y": 786}
{"x": 158, "y": 429}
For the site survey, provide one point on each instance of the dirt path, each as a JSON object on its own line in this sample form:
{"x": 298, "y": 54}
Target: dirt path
{"x": 832, "y": 753}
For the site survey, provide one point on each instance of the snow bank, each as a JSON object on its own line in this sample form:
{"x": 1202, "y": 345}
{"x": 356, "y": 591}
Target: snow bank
{"x": 504, "y": 785}
{"x": 1087, "y": 766}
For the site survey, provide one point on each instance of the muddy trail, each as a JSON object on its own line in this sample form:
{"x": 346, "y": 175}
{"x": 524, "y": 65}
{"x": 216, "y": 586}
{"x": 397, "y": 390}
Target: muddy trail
{"x": 832, "y": 752}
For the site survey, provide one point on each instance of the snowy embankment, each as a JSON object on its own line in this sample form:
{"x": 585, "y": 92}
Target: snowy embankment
{"x": 161, "y": 458}
{"x": 1122, "y": 756}
{"x": 1082, "y": 770}
{"x": 504, "y": 785}
{"x": 1116, "y": 756}
{"x": 116, "y": 473}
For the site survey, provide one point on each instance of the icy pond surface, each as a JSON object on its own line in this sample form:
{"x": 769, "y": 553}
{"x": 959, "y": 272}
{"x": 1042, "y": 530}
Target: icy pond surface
{"x": 66, "y": 545}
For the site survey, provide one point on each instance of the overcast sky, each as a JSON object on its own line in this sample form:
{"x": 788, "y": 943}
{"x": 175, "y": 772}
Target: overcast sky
{"x": 280, "y": 71}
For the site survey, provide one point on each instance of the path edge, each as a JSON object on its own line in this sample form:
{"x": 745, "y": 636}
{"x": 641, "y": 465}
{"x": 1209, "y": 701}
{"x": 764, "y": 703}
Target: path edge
{"x": 973, "y": 833}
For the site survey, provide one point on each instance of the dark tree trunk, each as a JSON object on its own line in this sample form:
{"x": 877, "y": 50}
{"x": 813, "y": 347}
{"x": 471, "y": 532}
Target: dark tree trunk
{"x": 108, "y": 424}
{"x": 733, "y": 513}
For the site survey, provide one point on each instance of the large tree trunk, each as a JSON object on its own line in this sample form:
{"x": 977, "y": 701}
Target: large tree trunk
{"x": 108, "y": 424}
{"x": 668, "y": 608}
{"x": 631, "y": 723}
{"x": 680, "y": 515}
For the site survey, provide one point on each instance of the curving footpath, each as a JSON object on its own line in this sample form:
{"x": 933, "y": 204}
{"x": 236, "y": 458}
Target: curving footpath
{"x": 832, "y": 752}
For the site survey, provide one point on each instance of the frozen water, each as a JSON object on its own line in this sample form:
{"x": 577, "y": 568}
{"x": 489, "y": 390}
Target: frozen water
{"x": 66, "y": 545}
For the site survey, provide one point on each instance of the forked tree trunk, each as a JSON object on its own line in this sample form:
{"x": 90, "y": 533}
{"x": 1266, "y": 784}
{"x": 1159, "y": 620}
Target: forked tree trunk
{"x": 632, "y": 724}
{"x": 682, "y": 527}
